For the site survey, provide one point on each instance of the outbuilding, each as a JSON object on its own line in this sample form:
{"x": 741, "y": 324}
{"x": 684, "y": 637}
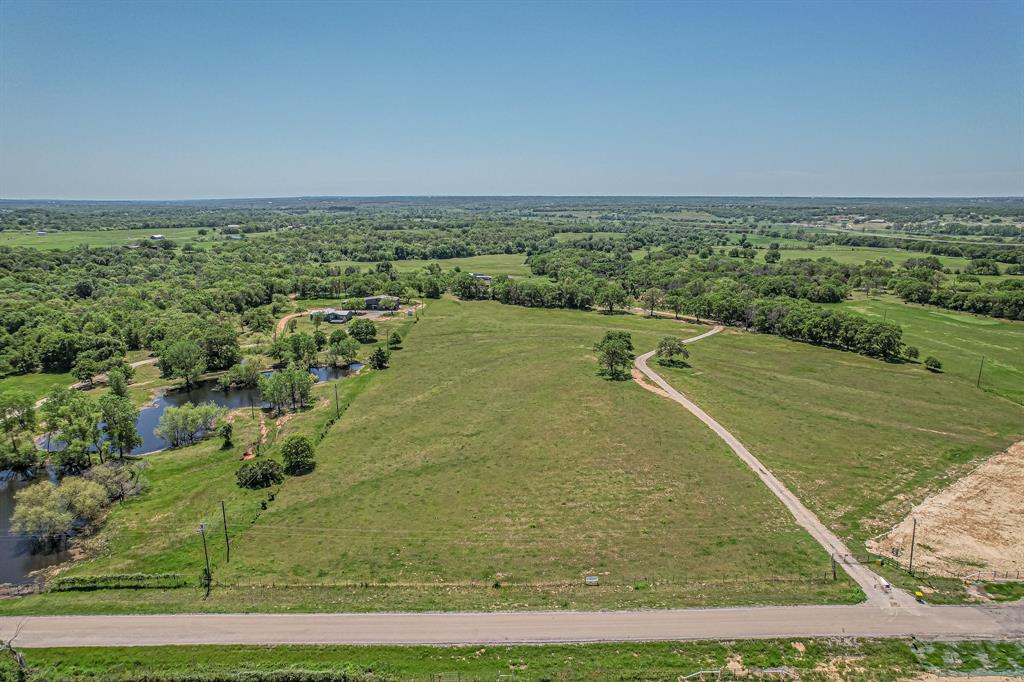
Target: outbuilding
{"x": 333, "y": 316}
{"x": 381, "y": 302}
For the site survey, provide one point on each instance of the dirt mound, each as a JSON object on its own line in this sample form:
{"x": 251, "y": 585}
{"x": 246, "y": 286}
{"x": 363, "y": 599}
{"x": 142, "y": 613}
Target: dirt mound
{"x": 640, "y": 378}
{"x": 976, "y": 523}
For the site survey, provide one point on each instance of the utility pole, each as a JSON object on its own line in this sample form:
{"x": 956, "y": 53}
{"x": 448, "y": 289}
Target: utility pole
{"x": 833, "y": 567}
{"x": 913, "y": 539}
{"x": 227, "y": 542}
{"x": 980, "y": 367}
{"x": 252, "y": 409}
{"x": 337, "y": 410}
{"x": 207, "y": 575}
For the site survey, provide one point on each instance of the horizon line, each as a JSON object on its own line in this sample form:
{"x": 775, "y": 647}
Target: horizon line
{"x": 508, "y": 196}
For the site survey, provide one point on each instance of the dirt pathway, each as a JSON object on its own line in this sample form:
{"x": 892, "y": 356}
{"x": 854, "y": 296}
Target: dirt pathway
{"x": 525, "y": 627}
{"x": 868, "y": 581}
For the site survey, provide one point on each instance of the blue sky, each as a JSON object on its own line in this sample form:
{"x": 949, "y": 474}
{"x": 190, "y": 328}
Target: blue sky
{"x": 204, "y": 99}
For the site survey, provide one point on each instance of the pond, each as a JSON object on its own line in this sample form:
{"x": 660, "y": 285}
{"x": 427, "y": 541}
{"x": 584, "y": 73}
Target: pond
{"x": 206, "y": 392}
{"x": 19, "y": 556}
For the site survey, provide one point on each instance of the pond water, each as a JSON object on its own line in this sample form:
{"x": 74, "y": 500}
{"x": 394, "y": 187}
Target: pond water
{"x": 206, "y": 392}
{"x": 19, "y": 556}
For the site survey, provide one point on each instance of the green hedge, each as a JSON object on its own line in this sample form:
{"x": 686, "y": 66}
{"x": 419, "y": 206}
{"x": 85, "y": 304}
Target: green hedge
{"x": 122, "y": 581}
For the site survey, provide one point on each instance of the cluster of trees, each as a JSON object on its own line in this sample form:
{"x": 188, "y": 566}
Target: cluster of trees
{"x": 342, "y": 349}
{"x": 998, "y": 299}
{"x": 212, "y": 348}
{"x": 1009, "y": 253}
{"x": 292, "y": 386}
{"x": 188, "y": 423}
{"x": 83, "y": 309}
{"x": 49, "y": 512}
{"x": 802, "y": 321}
{"x": 242, "y": 375}
{"x": 81, "y": 426}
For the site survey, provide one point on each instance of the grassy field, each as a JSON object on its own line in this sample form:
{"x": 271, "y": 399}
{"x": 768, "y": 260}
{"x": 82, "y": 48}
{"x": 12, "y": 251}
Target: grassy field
{"x": 37, "y": 384}
{"x": 858, "y": 440}
{"x": 860, "y": 254}
{"x": 810, "y": 659}
{"x": 959, "y": 340}
{"x": 489, "y": 468}
{"x": 569, "y": 236}
{"x": 72, "y": 238}
{"x": 494, "y": 265}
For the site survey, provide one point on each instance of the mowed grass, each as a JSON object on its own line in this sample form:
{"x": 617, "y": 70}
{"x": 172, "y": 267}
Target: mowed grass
{"x": 36, "y": 384}
{"x": 858, "y": 440}
{"x": 69, "y": 239}
{"x": 513, "y": 265}
{"x": 492, "y": 453}
{"x": 859, "y": 254}
{"x": 489, "y": 468}
{"x": 959, "y": 340}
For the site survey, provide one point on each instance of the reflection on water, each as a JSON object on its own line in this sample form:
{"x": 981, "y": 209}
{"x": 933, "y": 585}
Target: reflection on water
{"x": 208, "y": 392}
{"x": 19, "y": 556}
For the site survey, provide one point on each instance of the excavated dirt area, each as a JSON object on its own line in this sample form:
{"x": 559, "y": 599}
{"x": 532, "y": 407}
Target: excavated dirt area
{"x": 976, "y": 523}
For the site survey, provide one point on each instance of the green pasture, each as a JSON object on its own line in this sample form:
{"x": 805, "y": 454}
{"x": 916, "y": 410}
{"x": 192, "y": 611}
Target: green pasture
{"x": 858, "y": 440}
{"x": 859, "y": 254}
{"x": 489, "y": 468}
{"x": 959, "y": 340}
{"x": 811, "y": 659}
{"x": 69, "y": 239}
{"x": 494, "y": 265}
{"x": 37, "y": 384}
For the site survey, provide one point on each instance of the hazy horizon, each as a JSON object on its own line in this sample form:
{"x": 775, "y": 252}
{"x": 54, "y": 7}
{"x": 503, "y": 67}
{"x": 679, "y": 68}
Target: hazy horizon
{"x": 144, "y": 200}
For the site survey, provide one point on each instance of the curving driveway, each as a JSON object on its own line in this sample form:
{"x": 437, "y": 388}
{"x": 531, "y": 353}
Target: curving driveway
{"x": 884, "y": 614}
{"x": 869, "y": 582}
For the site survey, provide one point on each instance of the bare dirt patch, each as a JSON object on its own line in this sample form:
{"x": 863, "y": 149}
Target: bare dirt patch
{"x": 978, "y": 522}
{"x": 641, "y": 378}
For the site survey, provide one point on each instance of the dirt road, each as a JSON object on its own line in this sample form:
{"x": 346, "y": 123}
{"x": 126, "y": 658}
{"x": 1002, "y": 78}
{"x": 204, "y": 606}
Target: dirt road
{"x": 925, "y": 622}
{"x": 868, "y": 581}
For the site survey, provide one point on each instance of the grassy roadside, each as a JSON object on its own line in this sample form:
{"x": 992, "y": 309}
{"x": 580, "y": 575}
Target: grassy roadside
{"x": 809, "y": 659}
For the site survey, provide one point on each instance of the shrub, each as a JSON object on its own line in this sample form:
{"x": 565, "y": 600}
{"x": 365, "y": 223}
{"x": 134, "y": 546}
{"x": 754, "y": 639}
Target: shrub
{"x": 259, "y": 473}
{"x": 225, "y": 431}
{"x": 933, "y": 363}
{"x": 380, "y": 358}
{"x": 297, "y": 452}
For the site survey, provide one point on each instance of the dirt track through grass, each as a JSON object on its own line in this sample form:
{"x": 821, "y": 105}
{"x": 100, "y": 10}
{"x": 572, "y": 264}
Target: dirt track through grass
{"x": 859, "y": 441}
